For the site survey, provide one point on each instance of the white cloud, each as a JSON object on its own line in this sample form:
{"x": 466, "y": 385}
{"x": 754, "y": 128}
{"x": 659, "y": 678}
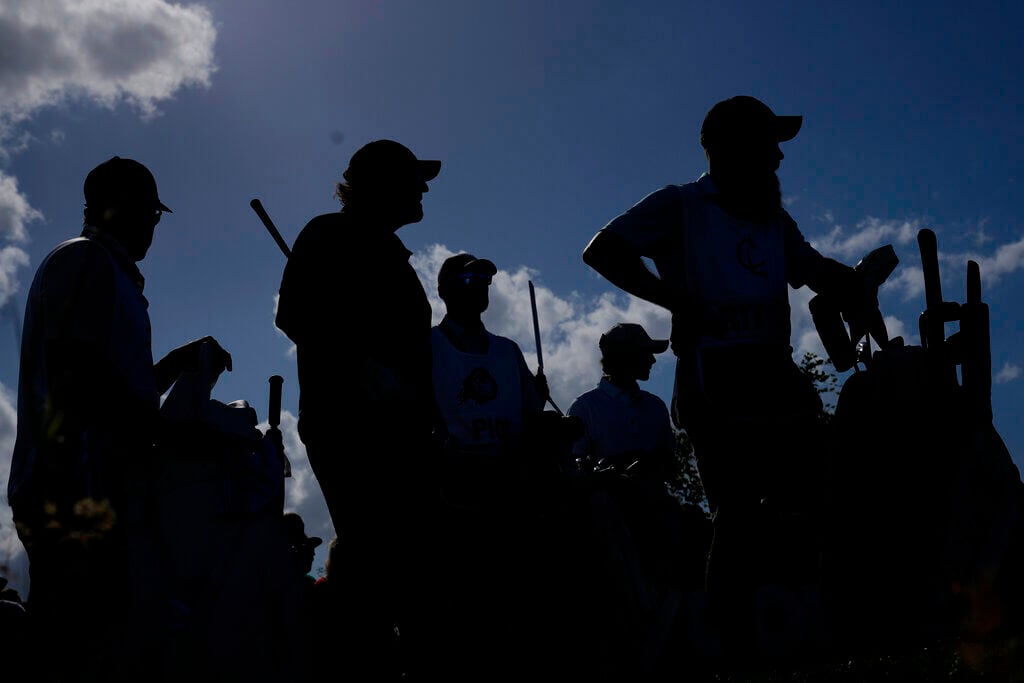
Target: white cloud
{"x": 106, "y": 51}
{"x": 1007, "y": 373}
{"x": 11, "y": 260}
{"x": 302, "y": 491}
{"x": 13, "y": 562}
{"x": 15, "y": 211}
{"x": 907, "y": 283}
{"x": 1008, "y": 258}
{"x": 103, "y": 51}
{"x": 867, "y": 235}
{"x": 569, "y": 325}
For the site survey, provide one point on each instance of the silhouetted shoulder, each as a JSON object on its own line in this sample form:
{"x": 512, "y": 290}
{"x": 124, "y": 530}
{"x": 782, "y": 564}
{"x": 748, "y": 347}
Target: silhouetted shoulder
{"x": 318, "y": 230}
{"x": 80, "y": 266}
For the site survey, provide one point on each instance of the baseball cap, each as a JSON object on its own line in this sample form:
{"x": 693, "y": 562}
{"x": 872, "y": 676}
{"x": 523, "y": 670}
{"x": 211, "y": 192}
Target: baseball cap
{"x": 454, "y": 266}
{"x": 381, "y": 160}
{"x": 744, "y": 116}
{"x": 120, "y": 181}
{"x": 295, "y": 530}
{"x": 630, "y": 337}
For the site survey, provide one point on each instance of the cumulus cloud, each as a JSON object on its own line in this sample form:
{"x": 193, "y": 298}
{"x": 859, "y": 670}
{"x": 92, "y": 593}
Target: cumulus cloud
{"x": 15, "y": 214}
{"x": 105, "y": 51}
{"x": 570, "y": 325}
{"x": 15, "y": 211}
{"x": 140, "y": 52}
{"x": 13, "y": 562}
{"x": 1007, "y": 373}
{"x": 11, "y": 260}
{"x": 851, "y": 246}
{"x": 301, "y": 490}
{"x": 907, "y": 283}
{"x": 1008, "y": 258}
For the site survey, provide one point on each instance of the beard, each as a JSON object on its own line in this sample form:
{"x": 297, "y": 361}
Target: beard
{"x": 753, "y": 196}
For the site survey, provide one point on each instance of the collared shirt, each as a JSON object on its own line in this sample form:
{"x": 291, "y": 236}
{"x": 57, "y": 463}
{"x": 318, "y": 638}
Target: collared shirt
{"x": 349, "y": 298}
{"x": 85, "y": 300}
{"x": 738, "y": 268}
{"x": 483, "y": 388}
{"x": 617, "y": 422}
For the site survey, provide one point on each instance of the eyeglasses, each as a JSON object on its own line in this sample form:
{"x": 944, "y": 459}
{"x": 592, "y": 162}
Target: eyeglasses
{"x": 471, "y": 277}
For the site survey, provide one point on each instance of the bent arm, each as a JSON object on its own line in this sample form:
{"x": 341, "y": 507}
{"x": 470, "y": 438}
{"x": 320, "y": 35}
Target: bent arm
{"x": 187, "y": 357}
{"x": 618, "y": 262}
{"x": 807, "y": 266}
{"x": 830, "y": 276}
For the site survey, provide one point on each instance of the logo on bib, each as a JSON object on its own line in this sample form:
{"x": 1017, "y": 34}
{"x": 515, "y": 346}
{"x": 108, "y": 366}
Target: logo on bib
{"x": 479, "y": 387}
{"x": 747, "y": 257}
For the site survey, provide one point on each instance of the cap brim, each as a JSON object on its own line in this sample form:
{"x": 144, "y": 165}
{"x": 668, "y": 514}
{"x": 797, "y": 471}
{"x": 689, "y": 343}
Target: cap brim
{"x": 659, "y": 345}
{"x": 429, "y": 168}
{"x": 163, "y": 207}
{"x": 481, "y": 265}
{"x": 786, "y": 127}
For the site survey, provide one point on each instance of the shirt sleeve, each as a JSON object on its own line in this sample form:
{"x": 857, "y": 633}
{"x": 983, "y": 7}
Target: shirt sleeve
{"x": 584, "y": 445}
{"x": 311, "y": 274}
{"x": 668, "y": 433}
{"x": 78, "y": 296}
{"x": 532, "y": 402}
{"x": 650, "y": 223}
{"x": 801, "y": 257}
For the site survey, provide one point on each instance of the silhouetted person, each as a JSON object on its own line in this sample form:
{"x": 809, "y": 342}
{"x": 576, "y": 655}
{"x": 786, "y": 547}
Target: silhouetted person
{"x": 623, "y": 424}
{"x": 302, "y": 548}
{"x": 628, "y": 438}
{"x": 13, "y": 637}
{"x": 12, "y": 630}
{"x": 360, "y": 320}
{"x": 326, "y": 617}
{"x": 88, "y": 419}
{"x": 487, "y": 398}
{"x": 725, "y": 252}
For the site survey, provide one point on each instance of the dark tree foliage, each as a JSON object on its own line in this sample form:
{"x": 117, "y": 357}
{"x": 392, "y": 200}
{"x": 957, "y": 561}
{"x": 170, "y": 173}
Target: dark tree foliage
{"x": 822, "y": 373}
{"x": 686, "y": 486}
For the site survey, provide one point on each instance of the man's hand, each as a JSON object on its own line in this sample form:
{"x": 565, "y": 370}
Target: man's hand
{"x": 187, "y": 358}
{"x": 619, "y": 263}
{"x": 540, "y": 382}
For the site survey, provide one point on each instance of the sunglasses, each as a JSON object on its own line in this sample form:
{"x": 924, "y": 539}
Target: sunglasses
{"x": 471, "y": 278}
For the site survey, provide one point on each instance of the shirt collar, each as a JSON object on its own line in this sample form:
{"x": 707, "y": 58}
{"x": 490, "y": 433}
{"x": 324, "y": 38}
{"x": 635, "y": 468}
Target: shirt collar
{"x": 615, "y": 392}
{"x": 465, "y": 338}
{"x": 394, "y": 242}
{"x": 707, "y": 184}
{"x": 377, "y": 237}
{"x": 116, "y": 250}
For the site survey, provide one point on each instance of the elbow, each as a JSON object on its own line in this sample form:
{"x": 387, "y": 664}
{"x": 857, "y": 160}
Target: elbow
{"x": 596, "y": 253}
{"x": 588, "y": 254}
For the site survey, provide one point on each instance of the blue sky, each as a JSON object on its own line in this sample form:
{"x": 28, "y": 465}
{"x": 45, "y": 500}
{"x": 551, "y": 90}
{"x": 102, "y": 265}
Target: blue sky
{"x": 549, "y": 118}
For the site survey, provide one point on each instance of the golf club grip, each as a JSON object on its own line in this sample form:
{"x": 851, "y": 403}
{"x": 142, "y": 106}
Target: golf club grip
{"x": 536, "y": 329}
{"x": 930, "y": 267}
{"x": 257, "y": 206}
{"x": 973, "y": 282}
{"x": 274, "y": 411}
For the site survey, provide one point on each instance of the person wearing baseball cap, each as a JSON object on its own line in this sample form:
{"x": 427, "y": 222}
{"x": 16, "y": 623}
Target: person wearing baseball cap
{"x": 621, "y": 420}
{"x": 365, "y": 378}
{"x": 626, "y": 432}
{"x": 488, "y": 401}
{"x": 88, "y": 422}
{"x": 726, "y": 252}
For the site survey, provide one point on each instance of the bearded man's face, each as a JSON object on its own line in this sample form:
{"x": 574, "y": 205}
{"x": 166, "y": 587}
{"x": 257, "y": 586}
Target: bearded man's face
{"x": 745, "y": 172}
